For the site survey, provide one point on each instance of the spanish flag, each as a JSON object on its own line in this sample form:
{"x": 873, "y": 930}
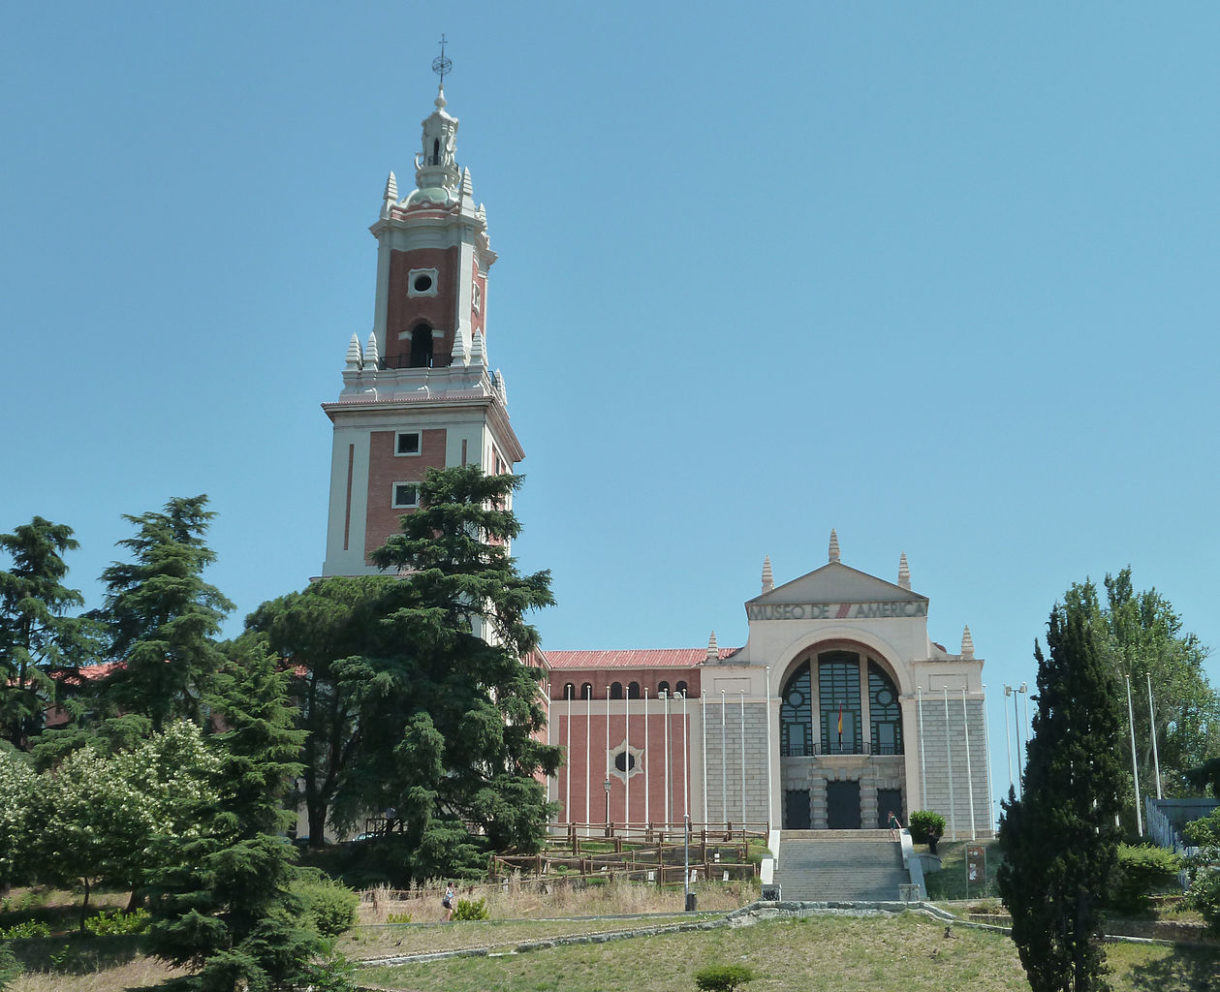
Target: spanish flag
{"x": 840, "y": 722}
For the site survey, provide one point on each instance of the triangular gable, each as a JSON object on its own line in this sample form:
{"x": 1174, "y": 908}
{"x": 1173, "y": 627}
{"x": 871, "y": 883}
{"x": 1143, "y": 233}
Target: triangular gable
{"x": 836, "y": 583}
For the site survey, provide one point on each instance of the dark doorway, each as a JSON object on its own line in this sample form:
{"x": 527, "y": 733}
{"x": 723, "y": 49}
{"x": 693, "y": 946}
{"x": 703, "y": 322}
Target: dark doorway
{"x": 796, "y": 809}
{"x": 843, "y": 805}
{"x": 421, "y": 347}
{"x": 889, "y": 800}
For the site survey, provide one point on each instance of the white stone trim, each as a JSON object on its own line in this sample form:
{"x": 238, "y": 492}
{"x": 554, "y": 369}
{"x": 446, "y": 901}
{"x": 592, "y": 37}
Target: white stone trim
{"x": 414, "y": 274}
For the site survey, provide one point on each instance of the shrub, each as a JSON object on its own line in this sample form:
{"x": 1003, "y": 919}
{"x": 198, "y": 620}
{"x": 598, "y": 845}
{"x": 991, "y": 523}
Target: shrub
{"x": 398, "y": 917}
{"x": 927, "y": 827}
{"x": 471, "y": 909}
{"x": 331, "y": 906}
{"x": 1204, "y": 896}
{"x": 723, "y": 977}
{"x": 24, "y": 930}
{"x": 108, "y": 924}
{"x": 1141, "y": 870}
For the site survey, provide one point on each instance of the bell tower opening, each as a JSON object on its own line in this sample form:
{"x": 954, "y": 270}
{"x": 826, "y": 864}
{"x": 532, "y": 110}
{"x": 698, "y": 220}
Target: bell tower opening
{"x": 421, "y": 347}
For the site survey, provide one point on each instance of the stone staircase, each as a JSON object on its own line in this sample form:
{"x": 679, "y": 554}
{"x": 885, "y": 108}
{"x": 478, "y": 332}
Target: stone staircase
{"x": 839, "y": 866}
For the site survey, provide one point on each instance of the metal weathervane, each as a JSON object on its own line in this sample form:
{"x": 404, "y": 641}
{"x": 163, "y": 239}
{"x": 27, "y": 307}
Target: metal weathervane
{"x": 442, "y": 65}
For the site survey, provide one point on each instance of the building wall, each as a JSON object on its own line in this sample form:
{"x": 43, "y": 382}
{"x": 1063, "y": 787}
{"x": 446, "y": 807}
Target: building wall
{"x": 953, "y": 762}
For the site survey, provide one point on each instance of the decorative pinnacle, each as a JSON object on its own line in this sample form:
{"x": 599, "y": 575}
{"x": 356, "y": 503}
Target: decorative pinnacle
{"x": 768, "y": 580}
{"x": 442, "y": 66}
{"x": 967, "y": 643}
{"x": 904, "y": 572}
{"x": 713, "y": 651}
{"x": 834, "y": 545}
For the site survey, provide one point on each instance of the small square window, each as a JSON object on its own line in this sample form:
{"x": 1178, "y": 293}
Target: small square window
{"x": 406, "y": 495}
{"x": 407, "y": 443}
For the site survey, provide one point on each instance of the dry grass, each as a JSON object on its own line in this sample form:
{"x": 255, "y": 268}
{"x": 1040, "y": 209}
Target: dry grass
{"x": 132, "y": 974}
{"x": 526, "y": 899}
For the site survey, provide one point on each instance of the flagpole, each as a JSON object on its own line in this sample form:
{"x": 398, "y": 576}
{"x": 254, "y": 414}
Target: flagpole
{"x": 743, "y": 759}
{"x": 1156, "y": 761}
{"x": 1135, "y": 771}
{"x": 949, "y": 755}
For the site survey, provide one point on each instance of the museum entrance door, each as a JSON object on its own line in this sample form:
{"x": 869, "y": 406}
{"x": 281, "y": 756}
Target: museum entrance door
{"x": 889, "y": 800}
{"x": 843, "y": 805}
{"x": 796, "y": 809}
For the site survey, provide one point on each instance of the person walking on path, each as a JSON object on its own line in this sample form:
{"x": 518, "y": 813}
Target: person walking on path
{"x": 447, "y": 902}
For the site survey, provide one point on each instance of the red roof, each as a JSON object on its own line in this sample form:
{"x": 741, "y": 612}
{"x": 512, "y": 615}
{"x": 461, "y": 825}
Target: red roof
{"x": 636, "y": 658}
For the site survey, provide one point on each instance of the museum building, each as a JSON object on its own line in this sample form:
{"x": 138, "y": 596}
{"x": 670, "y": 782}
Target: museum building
{"x": 839, "y": 707}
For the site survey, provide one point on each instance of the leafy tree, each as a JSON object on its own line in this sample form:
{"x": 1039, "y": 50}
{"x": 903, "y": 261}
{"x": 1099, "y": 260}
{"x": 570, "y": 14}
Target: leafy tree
{"x": 35, "y": 635}
{"x": 16, "y": 828}
{"x": 448, "y": 703}
{"x": 94, "y": 825}
{"x": 312, "y": 631}
{"x": 98, "y": 813}
{"x": 162, "y": 616}
{"x": 1059, "y": 839}
{"x": 1141, "y": 636}
{"x": 221, "y": 899}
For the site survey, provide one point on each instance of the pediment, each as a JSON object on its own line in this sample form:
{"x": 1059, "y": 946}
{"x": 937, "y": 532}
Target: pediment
{"x": 837, "y": 584}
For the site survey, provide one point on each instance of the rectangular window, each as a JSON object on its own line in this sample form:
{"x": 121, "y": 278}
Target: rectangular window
{"x": 406, "y": 495}
{"x": 407, "y": 443}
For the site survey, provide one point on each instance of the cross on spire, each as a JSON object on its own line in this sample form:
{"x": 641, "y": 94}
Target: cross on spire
{"x": 441, "y": 65}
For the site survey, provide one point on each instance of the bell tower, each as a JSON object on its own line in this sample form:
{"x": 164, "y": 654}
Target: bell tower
{"x": 419, "y": 392}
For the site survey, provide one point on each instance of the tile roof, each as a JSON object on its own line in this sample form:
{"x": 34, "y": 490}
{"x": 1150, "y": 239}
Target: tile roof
{"x": 632, "y": 658}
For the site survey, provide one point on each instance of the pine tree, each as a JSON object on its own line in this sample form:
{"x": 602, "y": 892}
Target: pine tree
{"x": 221, "y": 901}
{"x": 450, "y": 705}
{"x": 36, "y": 638}
{"x": 1059, "y": 839}
{"x": 163, "y": 617}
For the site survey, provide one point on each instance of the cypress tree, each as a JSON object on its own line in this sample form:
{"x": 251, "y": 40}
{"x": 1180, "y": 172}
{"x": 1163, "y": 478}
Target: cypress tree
{"x": 1060, "y": 839}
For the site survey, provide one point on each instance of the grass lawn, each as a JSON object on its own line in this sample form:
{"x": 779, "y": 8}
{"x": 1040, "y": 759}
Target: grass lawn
{"x": 950, "y": 881}
{"x": 827, "y": 953}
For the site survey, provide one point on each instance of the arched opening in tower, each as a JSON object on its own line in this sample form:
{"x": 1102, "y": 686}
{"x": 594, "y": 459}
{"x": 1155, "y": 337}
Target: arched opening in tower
{"x": 421, "y": 347}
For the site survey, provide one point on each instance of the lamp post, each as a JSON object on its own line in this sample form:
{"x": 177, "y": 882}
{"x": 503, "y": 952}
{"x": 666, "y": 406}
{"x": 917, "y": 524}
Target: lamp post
{"x": 1007, "y": 735}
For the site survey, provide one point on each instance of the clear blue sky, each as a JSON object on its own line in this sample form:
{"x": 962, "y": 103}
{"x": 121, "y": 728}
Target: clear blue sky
{"x": 942, "y": 276}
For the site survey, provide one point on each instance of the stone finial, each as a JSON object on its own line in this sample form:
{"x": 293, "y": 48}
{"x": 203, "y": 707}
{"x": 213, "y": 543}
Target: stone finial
{"x": 967, "y": 643}
{"x": 834, "y": 545}
{"x": 497, "y": 380}
{"x": 467, "y": 185}
{"x": 355, "y": 358}
{"x": 461, "y": 355}
{"x": 391, "y": 187}
{"x": 904, "y": 571}
{"x": 768, "y": 580}
{"x": 478, "y": 353}
{"x": 372, "y": 359}
{"x": 713, "y": 650}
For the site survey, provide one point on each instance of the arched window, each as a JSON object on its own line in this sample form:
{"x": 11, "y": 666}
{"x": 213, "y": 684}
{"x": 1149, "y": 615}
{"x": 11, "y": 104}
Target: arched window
{"x": 662, "y": 687}
{"x": 569, "y": 691}
{"x": 680, "y": 689}
{"x": 633, "y": 690}
{"x": 616, "y": 690}
{"x": 586, "y": 691}
{"x": 796, "y": 715}
{"x": 839, "y": 702}
{"x": 421, "y": 347}
{"x": 884, "y": 713}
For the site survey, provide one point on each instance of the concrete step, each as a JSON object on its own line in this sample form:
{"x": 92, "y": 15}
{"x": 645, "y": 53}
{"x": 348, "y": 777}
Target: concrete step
{"x": 832, "y": 867}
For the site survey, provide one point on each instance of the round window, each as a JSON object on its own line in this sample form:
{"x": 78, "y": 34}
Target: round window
{"x": 795, "y": 699}
{"x": 884, "y": 697}
{"x": 624, "y": 761}
{"x": 423, "y": 284}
